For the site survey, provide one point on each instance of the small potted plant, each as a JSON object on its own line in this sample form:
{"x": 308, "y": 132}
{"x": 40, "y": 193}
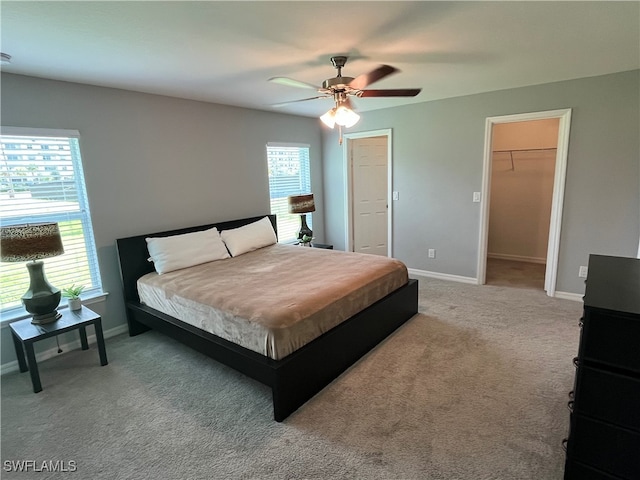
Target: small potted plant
{"x": 305, "y": 241}
{"x": 72, "y": 294}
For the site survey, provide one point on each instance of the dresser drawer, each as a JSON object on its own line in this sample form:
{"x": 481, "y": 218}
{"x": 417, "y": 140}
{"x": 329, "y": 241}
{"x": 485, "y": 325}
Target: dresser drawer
{"x": 604, "y": 447}
{"x": 608, "y": 396}
{"x": 611, "y": 338}
{"x": 577, "y": 471}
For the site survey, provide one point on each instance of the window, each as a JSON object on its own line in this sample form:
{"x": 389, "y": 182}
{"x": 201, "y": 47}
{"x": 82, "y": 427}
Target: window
{"x": 42, "y": 181}
{"x": 289, "y": 174}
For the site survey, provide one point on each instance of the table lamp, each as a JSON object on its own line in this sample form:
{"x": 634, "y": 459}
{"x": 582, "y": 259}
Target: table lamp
{"x": 33, "y": 242}
{"x": 302, "y": 204}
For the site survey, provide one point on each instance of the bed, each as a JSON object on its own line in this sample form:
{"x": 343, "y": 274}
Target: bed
{"x": 295, "y": 372}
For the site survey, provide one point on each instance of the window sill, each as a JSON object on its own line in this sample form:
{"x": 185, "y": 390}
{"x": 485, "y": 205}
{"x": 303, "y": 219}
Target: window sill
{"x": 20, "y": 315}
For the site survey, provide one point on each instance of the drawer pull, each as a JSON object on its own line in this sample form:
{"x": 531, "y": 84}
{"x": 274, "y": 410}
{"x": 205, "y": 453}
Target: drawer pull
{"x": 572, "y": 394}
{"x": 570, "y": 405}
{"x": 564, "y": 444}
{"x": 581, "y": 322}
{"x": 576, "y": 362}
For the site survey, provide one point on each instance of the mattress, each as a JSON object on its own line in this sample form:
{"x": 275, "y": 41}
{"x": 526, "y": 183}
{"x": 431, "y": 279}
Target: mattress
{"x": 275, "y": 299}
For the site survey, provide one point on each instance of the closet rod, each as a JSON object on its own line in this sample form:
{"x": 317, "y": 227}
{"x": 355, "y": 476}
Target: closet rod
{"x": 524, "y": 150}
{"x": 510, "y": 152}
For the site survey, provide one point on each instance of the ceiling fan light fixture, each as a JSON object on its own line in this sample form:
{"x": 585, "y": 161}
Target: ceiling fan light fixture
{"x": 341, "y": 115}
{"x": 346, "y": 117}
{"x": 329, "y": 118}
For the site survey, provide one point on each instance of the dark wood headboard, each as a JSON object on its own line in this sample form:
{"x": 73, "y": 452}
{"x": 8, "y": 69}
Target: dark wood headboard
{"x": 133, "y": 254}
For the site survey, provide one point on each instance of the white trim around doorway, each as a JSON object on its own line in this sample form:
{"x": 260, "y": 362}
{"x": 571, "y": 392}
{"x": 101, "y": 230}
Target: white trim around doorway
{"x": 348, "y": 193}
{"x": 553, "y": 246}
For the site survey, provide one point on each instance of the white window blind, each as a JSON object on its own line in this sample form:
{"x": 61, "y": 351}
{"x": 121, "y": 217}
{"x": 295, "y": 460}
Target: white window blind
{"x": 289, "y": 174}
{"x": 42, "y": 181}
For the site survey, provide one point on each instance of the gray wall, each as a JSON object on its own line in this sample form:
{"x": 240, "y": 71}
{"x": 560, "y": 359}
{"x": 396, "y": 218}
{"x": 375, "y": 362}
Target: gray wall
{"x": 154, "y": 163}
{"x": 437, "y": 164}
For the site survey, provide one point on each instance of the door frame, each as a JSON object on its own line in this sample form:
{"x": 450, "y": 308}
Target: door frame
{"x": 348, "y": 194}
{"x": 560, "y": 174}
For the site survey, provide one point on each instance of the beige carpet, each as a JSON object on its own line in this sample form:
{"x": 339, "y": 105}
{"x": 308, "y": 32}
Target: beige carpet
{"x": 473, "y": 388}
{"x": 511, "y": 273}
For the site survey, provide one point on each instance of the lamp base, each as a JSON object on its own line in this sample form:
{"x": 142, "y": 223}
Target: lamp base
{"x": 46, "y": 318}
{"x": 304, "y": 228}
{"x": 42, "y": 298}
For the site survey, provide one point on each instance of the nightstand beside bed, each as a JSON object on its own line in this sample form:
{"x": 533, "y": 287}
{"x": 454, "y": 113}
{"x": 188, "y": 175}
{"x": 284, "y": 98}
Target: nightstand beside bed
{"x": 25, "y": 334}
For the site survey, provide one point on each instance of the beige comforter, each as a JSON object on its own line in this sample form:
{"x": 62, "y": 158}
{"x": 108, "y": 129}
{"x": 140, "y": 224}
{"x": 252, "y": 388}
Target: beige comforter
{"x": 276, "y": 299}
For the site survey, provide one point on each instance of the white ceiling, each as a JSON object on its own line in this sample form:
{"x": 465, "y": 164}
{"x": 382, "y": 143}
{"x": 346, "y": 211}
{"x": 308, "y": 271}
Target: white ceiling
{"x": 224, "y": 52}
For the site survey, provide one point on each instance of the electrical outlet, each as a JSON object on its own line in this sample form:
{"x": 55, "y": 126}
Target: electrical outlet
{"x": 432, "y": 253}
{"x": 396, "y": 195}
{"x": 582, "y": 273}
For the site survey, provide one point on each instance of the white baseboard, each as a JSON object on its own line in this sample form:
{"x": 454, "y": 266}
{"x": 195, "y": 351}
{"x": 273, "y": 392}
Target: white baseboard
{"x": 10, "y": 367}
{"x": 414, "y": 272}
{"x": 442, "y": 276}
{"x": 576, "y": 297}
{"x": 517, "y": 258}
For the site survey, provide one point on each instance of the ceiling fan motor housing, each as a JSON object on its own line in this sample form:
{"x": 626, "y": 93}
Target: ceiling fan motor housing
{"x": 337, "y": 83}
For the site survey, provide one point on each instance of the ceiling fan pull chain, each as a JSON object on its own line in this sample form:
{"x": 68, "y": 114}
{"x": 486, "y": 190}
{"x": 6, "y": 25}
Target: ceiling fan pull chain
{"x": 340, "y": 132}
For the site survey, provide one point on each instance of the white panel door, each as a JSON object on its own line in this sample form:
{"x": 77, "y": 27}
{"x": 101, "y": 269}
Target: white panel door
{"x": 369, "y": 199}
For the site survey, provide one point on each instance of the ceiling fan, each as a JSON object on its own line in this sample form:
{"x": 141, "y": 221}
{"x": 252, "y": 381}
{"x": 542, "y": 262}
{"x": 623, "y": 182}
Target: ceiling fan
{"x": 341, "y": 88}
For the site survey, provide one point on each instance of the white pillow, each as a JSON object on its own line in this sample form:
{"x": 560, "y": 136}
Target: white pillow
{"x": 186, "y": 250}
{"x": 249, "y": 237}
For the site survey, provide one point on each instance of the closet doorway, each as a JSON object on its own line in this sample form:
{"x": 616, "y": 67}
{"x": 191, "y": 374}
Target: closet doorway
{"x": 523, "y": 180}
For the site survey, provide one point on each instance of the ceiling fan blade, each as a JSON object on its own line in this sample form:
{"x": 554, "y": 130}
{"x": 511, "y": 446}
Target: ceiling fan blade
{"x": 296, "y": 101}
{"x": 290, "y": 82}
{"x": 362, "y": 81}
{"x": 401, "y": 92}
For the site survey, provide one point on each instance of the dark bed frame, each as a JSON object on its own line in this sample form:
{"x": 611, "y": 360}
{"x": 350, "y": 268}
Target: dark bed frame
{"x": 293, "y": 379}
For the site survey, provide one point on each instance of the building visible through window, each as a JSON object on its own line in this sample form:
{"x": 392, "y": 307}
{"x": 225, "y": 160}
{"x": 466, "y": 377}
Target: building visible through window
{"x": 42, "y": 180}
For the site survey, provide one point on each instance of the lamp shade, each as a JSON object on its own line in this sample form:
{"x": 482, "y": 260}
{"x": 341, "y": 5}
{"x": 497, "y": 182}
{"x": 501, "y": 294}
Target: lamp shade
{"x": 346, "y": 117}
{"x": 33, "y": 241}
{"x": 301, "y": 203}
{"x": 329, "y": 118}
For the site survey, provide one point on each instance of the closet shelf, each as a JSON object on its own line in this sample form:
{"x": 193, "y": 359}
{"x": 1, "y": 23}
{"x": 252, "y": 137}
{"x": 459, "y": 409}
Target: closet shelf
{"x": 524, "y": 150}
{"x": 510, "y": 152}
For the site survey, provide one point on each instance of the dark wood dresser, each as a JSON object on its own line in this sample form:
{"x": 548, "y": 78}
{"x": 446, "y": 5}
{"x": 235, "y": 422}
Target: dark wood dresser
{"x": 604, "y": 435}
